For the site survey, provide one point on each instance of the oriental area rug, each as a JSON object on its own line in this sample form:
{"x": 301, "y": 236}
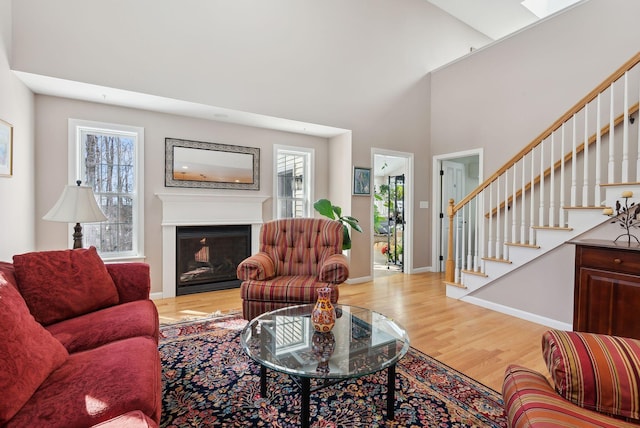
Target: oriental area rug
{"x": 208, "y": 381}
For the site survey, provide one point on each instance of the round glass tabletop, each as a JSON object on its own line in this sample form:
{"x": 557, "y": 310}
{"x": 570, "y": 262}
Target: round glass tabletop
{"x": 361, "y": 342}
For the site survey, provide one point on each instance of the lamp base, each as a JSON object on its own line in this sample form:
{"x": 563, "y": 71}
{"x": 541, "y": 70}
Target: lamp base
{"x": 77, "y": 236}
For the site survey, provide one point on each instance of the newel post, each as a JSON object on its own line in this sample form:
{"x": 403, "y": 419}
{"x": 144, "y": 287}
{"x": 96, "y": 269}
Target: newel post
{"x": 450, "y": 265}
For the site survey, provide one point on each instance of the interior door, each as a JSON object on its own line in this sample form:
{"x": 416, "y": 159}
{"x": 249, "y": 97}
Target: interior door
{"x": 452, "y": 186}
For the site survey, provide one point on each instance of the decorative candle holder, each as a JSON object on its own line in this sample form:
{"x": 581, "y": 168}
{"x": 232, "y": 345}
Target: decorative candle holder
{"x": 626, "y": 216}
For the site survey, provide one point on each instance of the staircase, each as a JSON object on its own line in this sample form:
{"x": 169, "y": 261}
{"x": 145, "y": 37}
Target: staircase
{"x": 553, "y": 190}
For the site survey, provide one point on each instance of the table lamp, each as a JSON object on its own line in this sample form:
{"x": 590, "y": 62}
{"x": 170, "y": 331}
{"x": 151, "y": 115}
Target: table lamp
{"x": 76, "y": 204}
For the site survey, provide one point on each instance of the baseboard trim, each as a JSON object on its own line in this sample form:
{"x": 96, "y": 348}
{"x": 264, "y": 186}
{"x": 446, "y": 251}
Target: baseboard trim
{"x": 359, "y": 280}
{"x": 422, "y": 270}
{"x": 156, "y": 296}
{"x": 528, "y": 316}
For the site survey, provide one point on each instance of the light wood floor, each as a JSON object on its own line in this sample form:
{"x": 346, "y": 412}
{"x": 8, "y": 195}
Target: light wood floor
{"x": 476, "y": 341}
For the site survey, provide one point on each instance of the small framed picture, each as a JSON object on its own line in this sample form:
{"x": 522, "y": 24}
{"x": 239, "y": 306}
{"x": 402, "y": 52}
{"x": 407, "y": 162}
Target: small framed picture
{"x": 6, "y": 149}
{"x": 361, "y": 181}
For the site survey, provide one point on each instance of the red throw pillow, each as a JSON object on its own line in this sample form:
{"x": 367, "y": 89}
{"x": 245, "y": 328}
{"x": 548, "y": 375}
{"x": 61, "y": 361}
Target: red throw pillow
{"x": 58, "y": 285}
{"x": 28, "y": 352}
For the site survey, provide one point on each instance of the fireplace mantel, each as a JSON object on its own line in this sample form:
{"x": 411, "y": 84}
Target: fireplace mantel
{"x": 198, "y": 209}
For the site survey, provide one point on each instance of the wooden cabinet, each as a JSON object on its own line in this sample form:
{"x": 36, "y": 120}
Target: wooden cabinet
{"x": 607, "y": 288}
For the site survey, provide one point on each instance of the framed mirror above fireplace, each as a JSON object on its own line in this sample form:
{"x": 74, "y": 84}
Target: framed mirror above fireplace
{"x": 211, "y": 165}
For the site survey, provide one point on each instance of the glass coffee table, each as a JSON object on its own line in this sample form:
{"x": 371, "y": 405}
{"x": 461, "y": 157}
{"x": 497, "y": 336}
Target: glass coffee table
{"x": 361, "y": 342}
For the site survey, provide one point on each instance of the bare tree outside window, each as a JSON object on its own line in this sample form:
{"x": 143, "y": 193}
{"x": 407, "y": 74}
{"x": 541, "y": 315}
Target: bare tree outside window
{"x": 108, "y": 158}
{"x": 109, "y": 170}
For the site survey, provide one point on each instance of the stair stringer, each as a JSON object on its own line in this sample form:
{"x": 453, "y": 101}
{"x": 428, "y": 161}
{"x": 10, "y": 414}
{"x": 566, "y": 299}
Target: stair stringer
{"x": 580, "y": 220}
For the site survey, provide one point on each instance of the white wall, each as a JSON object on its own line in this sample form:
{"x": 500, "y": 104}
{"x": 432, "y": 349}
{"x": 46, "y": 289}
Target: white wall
{"x": 357, "y": 65}
{"x": 17, "y": 233}
{"x": 504, "y": 95}
{"x": 51, "y": 162}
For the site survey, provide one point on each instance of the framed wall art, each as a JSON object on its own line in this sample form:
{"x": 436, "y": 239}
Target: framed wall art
{"x": 361, "y": 181}
{"x": 211, "y": 165}
{"x": 6, "y": 149}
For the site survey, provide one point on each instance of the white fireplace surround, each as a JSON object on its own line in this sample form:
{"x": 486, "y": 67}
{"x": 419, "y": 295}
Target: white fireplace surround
{"x": 184, "y": 209}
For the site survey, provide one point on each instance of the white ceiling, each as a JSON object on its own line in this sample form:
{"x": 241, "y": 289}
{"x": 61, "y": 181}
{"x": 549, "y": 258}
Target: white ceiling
{"x": 499, "y": 18}
{"x": 494, "y": 18}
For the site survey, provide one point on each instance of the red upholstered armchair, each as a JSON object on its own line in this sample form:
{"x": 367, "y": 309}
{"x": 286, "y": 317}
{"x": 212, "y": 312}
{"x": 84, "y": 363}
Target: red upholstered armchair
{"x": 297, "y": 256}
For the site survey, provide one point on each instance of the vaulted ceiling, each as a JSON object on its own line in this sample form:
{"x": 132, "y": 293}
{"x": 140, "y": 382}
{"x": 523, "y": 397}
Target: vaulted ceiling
{"x": 499, "y": 18}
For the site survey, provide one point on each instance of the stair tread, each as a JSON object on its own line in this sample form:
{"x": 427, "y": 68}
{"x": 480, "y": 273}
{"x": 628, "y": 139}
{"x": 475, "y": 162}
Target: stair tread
{"x": 552, "y": 228}
{"x": 455, "y": 284}
{"x": 473, "y": 272}
{"x": 631, "y": 183}
{"x": 599, "y": 207}
{"x": 495, "y": 259}
{"x": 518, "y": 244}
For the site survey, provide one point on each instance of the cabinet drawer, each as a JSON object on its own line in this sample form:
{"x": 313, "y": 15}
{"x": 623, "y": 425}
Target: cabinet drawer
{"x": 610, "y": 259}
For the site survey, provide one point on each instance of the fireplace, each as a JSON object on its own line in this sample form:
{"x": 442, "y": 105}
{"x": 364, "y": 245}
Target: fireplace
{"x": 207, "y": 256}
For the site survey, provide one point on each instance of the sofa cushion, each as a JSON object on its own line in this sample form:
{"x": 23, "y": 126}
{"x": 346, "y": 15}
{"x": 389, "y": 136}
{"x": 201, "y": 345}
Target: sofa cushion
{"x": 59, "y": 285}
{"x": 97, "y": 385}
{"x": 139, "y": 318}
{"x": 135, "y": 419}
{"x": 594, "y": 371}
{"x": 28, "y": 353}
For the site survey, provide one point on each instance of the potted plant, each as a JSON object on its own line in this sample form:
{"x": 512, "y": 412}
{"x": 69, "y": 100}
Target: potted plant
{"x": 325, "y": 208}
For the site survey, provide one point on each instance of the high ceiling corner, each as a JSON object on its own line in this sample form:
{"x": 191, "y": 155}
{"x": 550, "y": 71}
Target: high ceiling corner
{"x": 499, "y": 18}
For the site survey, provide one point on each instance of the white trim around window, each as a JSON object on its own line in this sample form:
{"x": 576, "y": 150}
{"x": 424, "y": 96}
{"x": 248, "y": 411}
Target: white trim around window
{"x": 76, "y": 128}
{"x": 306, "y": 193}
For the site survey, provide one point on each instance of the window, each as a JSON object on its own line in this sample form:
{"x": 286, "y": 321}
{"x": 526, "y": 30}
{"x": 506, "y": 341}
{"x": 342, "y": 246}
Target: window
{"x": 293, "y": 181}
{"x": 108, "y": 158}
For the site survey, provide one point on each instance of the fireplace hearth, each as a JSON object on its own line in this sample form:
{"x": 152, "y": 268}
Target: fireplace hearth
{"x": 207, "y": 257}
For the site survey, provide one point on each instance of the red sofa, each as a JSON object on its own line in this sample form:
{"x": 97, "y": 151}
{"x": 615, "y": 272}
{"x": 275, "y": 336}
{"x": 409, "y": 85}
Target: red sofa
{"x": 78, "y": 343}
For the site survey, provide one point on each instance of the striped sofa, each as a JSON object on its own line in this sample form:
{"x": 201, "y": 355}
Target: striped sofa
{"x": 596, "y": 382}
{"x": 296, "y": 257}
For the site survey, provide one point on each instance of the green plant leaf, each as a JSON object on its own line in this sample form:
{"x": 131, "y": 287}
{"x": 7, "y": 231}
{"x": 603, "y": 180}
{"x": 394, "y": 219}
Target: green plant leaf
{"x": 323, "y": 206}
{"x": 337, "y": 210}
{"x": 353, "y": 222}
{"x": 346, "y": 239}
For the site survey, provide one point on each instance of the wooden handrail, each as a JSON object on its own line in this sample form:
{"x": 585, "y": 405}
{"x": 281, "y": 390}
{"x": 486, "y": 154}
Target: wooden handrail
{"x": 555, "y": 126}
{"x": 453, "y": 209}
{"x": 604, "y": 131}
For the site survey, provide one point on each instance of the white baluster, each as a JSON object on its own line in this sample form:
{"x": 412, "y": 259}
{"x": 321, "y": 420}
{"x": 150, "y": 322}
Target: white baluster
{"x": 562, "y": 222}
{"x": 543, "y": 217}
{"x": 470, "y": 234}
{"x": 457, "y": 231}
{"x": 505, "y": 249}
{"x": 463, "y": 232}
{"x": 574, "y": 162}
{"x": 598, "y": 193}
{"x": 514, "y": 207}
{"x": 532, "y": 207}
{"x": 585, "y": 177}
{"x": 611, "y": 166}
{"x": 523, "y": 204}
{"x": 491, "y": 245}
{"x": 498, "y": 224}
{"x": 552, "y": 185}
{"x": 625, "y": 132}
{"x": 479, "y": 232}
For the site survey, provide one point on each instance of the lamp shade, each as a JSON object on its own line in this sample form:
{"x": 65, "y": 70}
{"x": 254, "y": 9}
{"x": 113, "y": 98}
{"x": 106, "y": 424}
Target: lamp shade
{"x": 77, "y": 204}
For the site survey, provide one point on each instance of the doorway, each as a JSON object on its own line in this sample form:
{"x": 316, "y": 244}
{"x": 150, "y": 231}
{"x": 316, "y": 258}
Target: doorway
{"x": 455, "y": 175}
{"x": 391, "y": 211}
